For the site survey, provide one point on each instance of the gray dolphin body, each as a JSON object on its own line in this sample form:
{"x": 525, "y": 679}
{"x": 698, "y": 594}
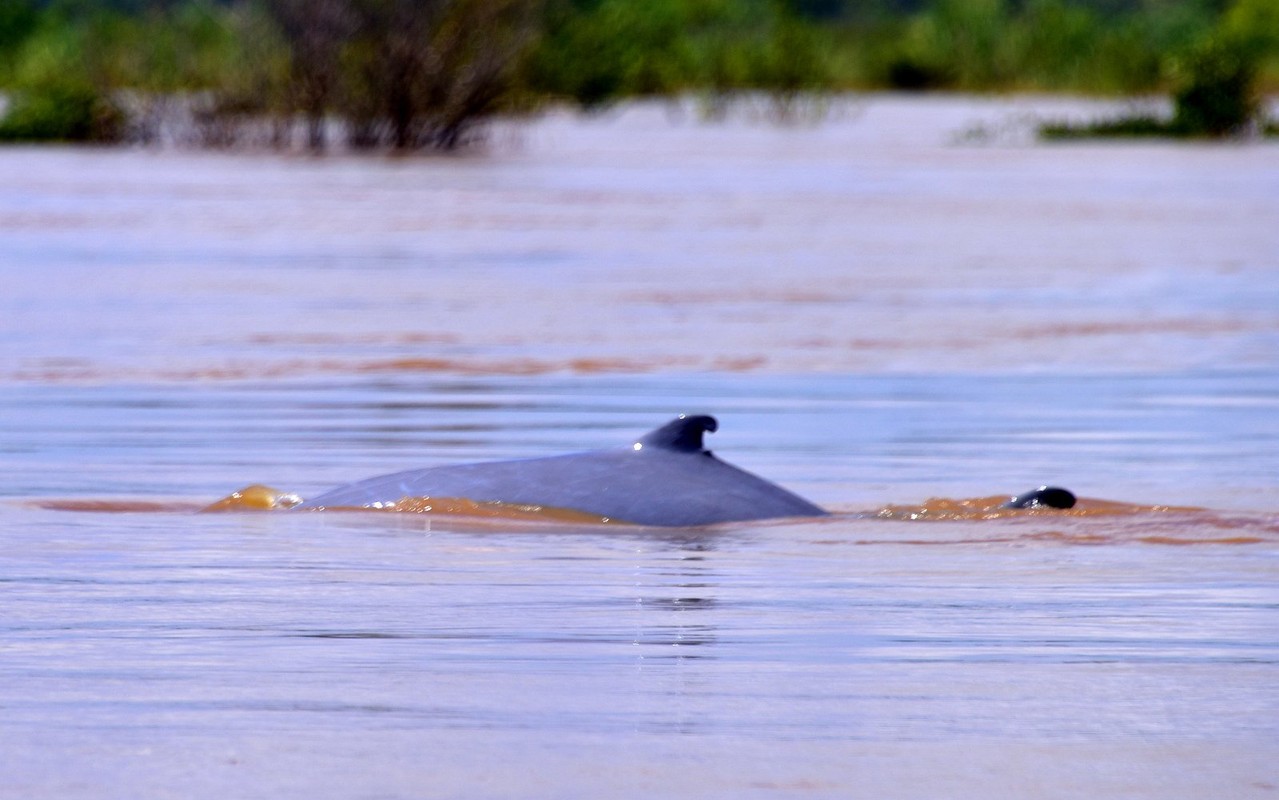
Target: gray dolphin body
{"x": 665, "y": 477}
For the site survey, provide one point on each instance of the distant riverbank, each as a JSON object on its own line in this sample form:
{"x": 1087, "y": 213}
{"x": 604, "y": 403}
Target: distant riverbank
{"x": 411, "y": 76}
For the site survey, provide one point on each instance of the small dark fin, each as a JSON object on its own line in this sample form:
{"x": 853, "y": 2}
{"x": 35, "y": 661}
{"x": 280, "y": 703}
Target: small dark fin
{"x": 683, "y": 434}
{"x": 1043, "y": 497}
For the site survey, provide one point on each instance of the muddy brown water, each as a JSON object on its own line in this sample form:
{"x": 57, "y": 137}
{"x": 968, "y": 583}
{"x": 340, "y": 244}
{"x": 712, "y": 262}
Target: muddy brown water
{"x": 886, "y": 317}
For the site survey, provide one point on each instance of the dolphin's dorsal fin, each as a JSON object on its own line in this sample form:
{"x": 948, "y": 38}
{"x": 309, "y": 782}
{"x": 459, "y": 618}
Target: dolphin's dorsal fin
{"x": 682, "y": 434}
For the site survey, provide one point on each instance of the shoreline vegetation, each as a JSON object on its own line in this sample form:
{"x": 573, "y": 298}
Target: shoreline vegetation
{"x": 402, "y": 75}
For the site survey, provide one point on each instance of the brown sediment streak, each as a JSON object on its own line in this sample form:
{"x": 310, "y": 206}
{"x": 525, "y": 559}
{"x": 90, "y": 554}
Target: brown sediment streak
{"x": 523, "y": 366}
{"x": 82, "y": 373}
{"x": 1091, "y": 523}
{"x": 1192, "y": 325}
{"x": 264, "y": 498}
{"x": 1182, "y": 540}
{"x": 879, "y": 344}
{"x": 338, "y": 339}
{"x": 116, "y": 506}
{"x": 1070, "y": 538}
{"x": 1066, "y": 539}
{"x": 946, "y": 509}
{"x": 485, "y": 509}
{"x": 1078, "y": 330}
{"x": 720, "y": 296}
{"x": 1109, "y": 534}
{"x": 257, "y": 498}
{"x": 451, "y": 365}
{"x": 590, "y": 366}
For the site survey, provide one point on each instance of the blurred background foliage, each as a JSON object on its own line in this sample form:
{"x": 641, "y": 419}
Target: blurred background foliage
{"x": 424, "y": 73}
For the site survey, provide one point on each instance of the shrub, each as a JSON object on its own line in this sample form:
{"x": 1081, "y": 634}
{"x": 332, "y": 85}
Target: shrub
{"x": 1134, "y": 126}
{"x": 1215, "y": 95}
{"x": 68, "y": 111}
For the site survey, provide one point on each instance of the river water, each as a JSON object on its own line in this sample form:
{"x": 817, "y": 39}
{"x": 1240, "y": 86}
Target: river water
{"x": 887, "y": 316}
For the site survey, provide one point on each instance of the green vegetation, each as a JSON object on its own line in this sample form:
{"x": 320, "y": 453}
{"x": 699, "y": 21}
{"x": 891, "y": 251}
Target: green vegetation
{"x": 1214, "y": 82}
{"x": 407, "y": 74}
{"x": 84, "y": 72}
{"x": 63, "y": 110}
{"x": 600, "y": 51}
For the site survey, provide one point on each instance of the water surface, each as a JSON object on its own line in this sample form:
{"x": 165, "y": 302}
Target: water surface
{"x": 877, "y": 315}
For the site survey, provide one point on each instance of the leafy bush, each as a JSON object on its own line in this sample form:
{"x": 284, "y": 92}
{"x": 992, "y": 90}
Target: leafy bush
{"x": 18, "y": 20}
{"x": 620, "y": 48}
{"x": 603, "y": 51}
{"x": 67, "y": 111}
{"x": 1214, "y": 95}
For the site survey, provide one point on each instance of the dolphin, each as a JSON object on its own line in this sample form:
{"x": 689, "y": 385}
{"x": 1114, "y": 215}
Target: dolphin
{"x": 664, "y": 478}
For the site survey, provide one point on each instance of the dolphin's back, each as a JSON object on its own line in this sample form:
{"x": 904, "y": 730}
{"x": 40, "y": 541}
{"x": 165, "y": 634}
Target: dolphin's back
{"x": 664, "y": 478}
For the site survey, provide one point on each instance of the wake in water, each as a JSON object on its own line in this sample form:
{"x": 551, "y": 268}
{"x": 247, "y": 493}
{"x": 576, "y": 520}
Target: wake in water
{"x": 1089, "y": 522}
{"x": 997, "y": 507}
{"x": 949, "y": 521}
{"x": 264, "y": 498}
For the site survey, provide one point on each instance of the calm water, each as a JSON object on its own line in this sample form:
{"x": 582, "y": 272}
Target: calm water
{"x": 877, "y": 316}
